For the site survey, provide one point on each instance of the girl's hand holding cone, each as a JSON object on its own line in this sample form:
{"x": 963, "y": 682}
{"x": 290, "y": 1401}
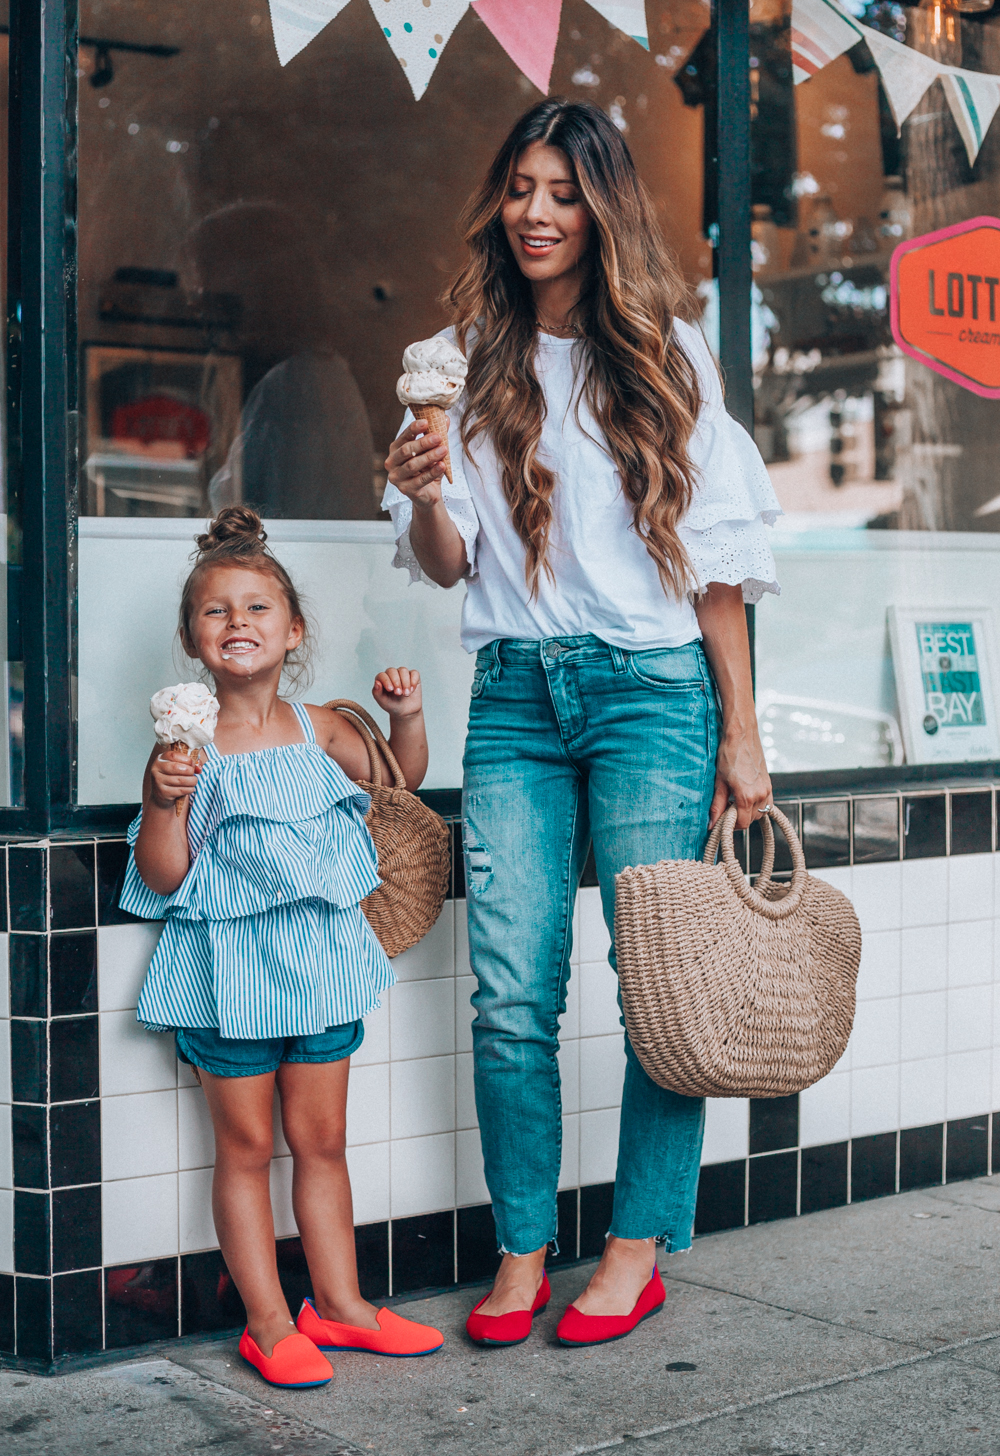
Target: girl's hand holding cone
{"x": 175, "y": 776}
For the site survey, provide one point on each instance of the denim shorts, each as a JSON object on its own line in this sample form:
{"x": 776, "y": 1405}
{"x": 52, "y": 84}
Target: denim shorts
{"x": 224, "y": 1057}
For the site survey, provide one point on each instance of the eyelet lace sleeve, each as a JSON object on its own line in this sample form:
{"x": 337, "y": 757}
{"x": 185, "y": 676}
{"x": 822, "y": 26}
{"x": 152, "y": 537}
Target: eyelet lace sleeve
{"x": 457, "y": 501}
{"x": 724, "y": 531}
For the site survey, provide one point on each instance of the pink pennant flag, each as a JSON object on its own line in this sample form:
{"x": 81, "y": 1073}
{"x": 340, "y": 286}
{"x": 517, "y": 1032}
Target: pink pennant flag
{"x": 528, "y": 31}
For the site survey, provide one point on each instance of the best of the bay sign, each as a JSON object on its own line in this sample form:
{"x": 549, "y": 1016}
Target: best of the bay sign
{"x": 946, "y": 302}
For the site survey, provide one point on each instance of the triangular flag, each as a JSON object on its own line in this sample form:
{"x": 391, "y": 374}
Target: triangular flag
{"x": 417, "y": 32}
{"x": 973, "y": 98}
{"x": 294, "y": 23}
{"x": 906, "y": 73}
{"x": 527, "y": 30}
{"x": 626, "y": 15}
{"x": 820, "y": 33}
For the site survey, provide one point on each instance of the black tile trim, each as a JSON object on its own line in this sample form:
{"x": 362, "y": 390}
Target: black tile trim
{"x": 141, "y": 1303}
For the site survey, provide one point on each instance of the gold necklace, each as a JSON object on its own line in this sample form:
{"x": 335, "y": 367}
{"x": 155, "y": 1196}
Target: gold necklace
{"x": 560, "y": 330}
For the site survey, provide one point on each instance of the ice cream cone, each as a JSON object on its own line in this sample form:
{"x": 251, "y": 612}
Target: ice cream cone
{"x": 437, "y": 424}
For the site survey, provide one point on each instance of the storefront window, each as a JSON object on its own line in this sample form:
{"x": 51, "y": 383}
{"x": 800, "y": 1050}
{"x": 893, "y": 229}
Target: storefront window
{"x": 881, "y": 442}
{"x": 258, "y": 243}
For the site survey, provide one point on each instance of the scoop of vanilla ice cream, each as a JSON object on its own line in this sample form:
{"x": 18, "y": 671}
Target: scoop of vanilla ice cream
{"x": 186, "y": 713}
{"x": 434, "y": 373}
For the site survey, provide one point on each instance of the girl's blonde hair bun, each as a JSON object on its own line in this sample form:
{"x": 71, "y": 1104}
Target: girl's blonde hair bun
{"x": 237, "y": 531}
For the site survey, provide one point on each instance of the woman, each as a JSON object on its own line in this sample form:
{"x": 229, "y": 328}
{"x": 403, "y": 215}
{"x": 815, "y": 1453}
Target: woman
{"x": 605, "y": 512}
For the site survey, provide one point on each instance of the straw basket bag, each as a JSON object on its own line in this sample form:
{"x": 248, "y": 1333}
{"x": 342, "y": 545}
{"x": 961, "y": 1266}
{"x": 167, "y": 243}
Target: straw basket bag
{"x": 729, "y": 990}
{"x": 413, "y": 846}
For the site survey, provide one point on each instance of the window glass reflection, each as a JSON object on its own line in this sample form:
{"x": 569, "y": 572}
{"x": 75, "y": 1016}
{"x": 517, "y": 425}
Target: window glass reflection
{"x": 258, "y": 243}
{"x": 885, "y": 468}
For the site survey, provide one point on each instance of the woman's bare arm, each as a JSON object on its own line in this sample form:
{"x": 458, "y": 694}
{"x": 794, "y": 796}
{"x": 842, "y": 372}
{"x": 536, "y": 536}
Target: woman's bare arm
{"x": 741, "y": 772}
{"x": 415, "y": 469}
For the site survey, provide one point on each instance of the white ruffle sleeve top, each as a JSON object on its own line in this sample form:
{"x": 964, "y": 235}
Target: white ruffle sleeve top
{"x": 605, "y": 581}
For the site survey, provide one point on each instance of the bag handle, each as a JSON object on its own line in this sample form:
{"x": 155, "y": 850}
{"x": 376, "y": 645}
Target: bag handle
{"x": 374, "y": 739}
{"x": 722, "y": 835}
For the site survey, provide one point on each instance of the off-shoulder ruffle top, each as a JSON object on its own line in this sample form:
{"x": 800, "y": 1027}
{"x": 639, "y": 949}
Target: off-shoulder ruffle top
{"x": 605, "y": 581}
{"x": 265, "y": 935}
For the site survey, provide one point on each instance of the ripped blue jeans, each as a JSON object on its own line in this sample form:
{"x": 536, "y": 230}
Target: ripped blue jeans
{"x": 571, "y": 739}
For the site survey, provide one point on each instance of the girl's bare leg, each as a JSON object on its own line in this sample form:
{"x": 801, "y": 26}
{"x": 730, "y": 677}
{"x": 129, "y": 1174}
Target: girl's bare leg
{"x": 241, "y": 1109}
{"x": 314, "y": 1119}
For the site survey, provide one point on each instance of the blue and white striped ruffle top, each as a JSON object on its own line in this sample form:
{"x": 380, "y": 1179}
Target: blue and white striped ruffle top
{"x": 265, "y": 935}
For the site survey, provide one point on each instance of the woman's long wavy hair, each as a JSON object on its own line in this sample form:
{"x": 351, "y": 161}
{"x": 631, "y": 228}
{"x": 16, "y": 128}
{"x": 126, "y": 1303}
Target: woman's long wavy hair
{"x": 638, "y": 383}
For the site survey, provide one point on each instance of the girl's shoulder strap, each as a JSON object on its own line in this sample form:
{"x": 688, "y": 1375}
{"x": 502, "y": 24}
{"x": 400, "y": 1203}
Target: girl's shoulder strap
{"x": 300, "y": 712}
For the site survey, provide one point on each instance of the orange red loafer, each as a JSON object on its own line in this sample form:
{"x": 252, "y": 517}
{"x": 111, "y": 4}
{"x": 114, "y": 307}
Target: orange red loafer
{"x": 577, "y": 1328}
{"x": 395, "y": 1336}
{"x": 294, "y": 1363}
{"x": 506, "y": 1329}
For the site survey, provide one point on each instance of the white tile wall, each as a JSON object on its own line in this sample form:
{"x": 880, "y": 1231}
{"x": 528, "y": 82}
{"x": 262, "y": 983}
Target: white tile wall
{"x": 4, "y": 977}
{"x": 195, "y": 1138}
{"x": 423, "y": 1097}
{"x": 470, "y": 1182}
{"x": 140, "y": 1218}
{"x": 422, "y": 1175}
{"x": 194, "y": 1199}
{"x": 825, "y": 1111}
{"x": 281, "y": 1198}
{"x": 970, "y": 887}
{"x": 922, "y": 1092}
{"x": 970, "y": 952}
{"x": 598, "y": 1145}
{"x": 4, "y": 1062}
{"x": 133, "y": 1059}
{"x": 925, "y": 890}
{"x": 727, "y": 1129}
{"x": 368, "y": 1166}
{"x": 139, "y": 1135}
{"x": 123, "y": 956}
{"x": 6, "y": 1149}
{"x": 6, "y": 1232}
{"x": 572, "y": 1150}
{"x": 922, "y": 1050}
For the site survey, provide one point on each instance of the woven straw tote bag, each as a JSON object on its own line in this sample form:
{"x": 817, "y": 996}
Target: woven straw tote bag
{"x": 731, "y": 990}
{"x": 413, "y": 845}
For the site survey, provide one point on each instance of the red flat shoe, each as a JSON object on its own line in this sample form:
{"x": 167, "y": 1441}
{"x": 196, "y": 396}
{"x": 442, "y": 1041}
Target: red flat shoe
{"x": 395, "y": 1336}
{"x": 507, "y": 1329}
{"x": 294, "y": 1363}
{"x": 577, "y": 1328}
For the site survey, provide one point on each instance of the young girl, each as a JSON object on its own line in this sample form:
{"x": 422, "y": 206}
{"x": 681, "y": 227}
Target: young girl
{"x": 266, "y": 964}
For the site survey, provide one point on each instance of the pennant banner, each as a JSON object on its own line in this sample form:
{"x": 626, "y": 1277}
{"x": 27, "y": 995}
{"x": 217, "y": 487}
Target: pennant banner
{"x": 906, "y": 73}
{"x": 973, "y": 98}
{"x": 527, "y": 30}
{"x": 418, "y": 30}
{"x": 821, "y": 31}
{"x": 418, "y": 33}
{"x": 294, "y": 23}
{"x": 626, "y": 15}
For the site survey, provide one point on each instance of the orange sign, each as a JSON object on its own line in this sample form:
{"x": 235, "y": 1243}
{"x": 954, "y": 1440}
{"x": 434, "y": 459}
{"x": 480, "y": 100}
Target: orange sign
{"x": 946, "y": 303}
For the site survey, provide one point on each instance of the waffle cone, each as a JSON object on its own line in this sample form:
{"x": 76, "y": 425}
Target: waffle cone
{"x": 437, "y": 424}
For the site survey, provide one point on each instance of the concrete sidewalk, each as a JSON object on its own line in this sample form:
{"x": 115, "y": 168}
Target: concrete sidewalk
{"x": 868, "y": 1329}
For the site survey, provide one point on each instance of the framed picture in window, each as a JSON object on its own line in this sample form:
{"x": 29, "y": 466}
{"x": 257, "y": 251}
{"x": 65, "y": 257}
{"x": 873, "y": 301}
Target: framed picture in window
{"x": 945, "y": 664}
{"x": 159, "y": 423}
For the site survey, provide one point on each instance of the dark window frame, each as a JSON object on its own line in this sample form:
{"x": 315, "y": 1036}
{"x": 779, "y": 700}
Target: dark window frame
{"x": 42, "y": 392}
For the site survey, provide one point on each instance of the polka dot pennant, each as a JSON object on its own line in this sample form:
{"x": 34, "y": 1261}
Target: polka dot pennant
{"x": 417, "y": 32}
